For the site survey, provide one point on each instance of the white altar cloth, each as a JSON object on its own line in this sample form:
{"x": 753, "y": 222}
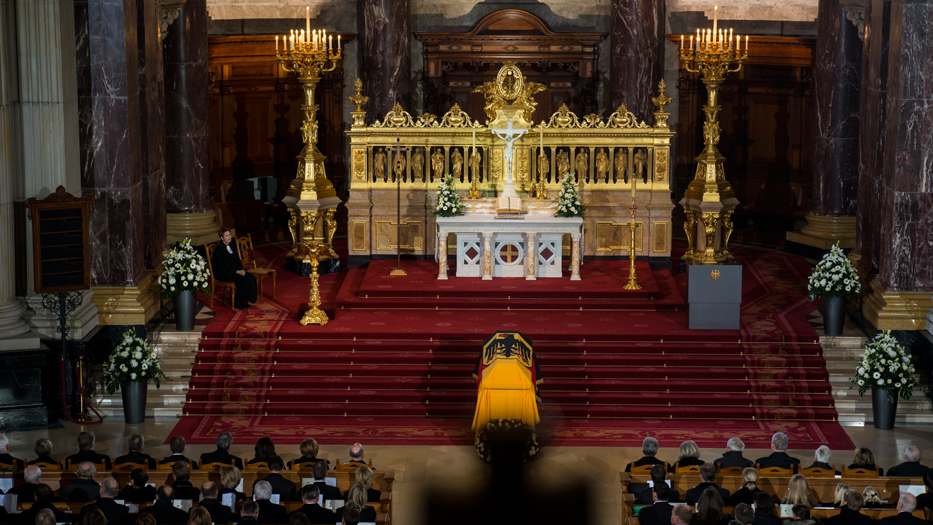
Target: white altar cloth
{"x": 529, "y": 247}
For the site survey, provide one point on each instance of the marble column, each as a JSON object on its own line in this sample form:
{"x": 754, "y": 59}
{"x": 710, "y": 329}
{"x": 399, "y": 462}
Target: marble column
{"x": 902, "y": 288}
{"x": 872, "y": 115}
{"x": 385, "y": 54}
{"x": 187, "y": 99}
{"x": 633, "y": 55}
{"x": 837, "y": 79}
{"x": 152, "y": 129}
{"x": 110, "y": 142}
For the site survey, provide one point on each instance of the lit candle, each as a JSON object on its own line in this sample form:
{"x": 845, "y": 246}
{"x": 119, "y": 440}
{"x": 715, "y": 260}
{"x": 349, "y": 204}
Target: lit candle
{"x": 746, "y": 44}
{"x": 691, "y": 43}
{"x": 276, "y": 44}
{"x": 541, "y": 148}
{"x": 330, "y": 43}
{"x": 338, "y": 44}
{"x": 715, "y": 17}
{"x": 291, "y": 43}
{"x": 633, "y": 186}
{"x": 473, "y": 149}
{"x": 308, "y": 19}
{"x": 698, "y": 39}
{"x": 681, "y": 42}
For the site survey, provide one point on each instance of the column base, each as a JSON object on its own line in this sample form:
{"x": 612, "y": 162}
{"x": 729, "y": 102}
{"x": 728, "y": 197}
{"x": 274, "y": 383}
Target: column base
{"x": 126, "y": 305}
{"x": 897, "y": 310}
{"x": 201, "y": 228}
{"x": 12, "y": 323}
{"x": 824, "y": 232}
{"x": 81, "y": 322}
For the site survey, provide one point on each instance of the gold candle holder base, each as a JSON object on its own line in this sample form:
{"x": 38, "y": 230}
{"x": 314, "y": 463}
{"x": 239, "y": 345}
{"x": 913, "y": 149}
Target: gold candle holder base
{"x": 398, "y": 271}
{"x": 315, "y": 315}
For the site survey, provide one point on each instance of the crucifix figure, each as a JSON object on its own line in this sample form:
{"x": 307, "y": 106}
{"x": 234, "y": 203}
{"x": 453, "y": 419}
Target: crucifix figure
{"x": 509, "y": 135}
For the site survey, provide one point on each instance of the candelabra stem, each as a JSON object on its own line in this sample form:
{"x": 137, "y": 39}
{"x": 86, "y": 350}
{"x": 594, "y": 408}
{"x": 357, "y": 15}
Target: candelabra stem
{"x": 632, "y": 281}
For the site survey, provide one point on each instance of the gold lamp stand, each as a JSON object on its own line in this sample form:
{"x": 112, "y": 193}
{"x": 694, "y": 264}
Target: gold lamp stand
{"x": 709, "y": 200}
{"x": 632, "y": 281}
{"x": 315, "y": 315}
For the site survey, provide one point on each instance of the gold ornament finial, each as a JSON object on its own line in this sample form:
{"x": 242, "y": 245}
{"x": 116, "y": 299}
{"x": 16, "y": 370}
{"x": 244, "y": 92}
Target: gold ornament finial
{"x": 662, "y": 100}
{"x": 358, "y": 100}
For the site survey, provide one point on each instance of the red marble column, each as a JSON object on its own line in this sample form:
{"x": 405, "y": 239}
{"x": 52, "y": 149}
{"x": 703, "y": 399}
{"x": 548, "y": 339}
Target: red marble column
{"x": 634, "y": 55}
{"x": 385, "y": 54}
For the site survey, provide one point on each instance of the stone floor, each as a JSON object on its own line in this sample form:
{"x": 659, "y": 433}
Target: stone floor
{"x": 421, "y": 467}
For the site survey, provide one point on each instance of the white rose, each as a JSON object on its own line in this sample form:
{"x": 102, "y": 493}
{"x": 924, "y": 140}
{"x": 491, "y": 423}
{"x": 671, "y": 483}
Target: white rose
{"x": 904, "y": 380}
{"x": 876, "y": 375}
{"x": 881, "y": 382}
{"x": 123, "y": 368}
{"x": 133, "y": 376}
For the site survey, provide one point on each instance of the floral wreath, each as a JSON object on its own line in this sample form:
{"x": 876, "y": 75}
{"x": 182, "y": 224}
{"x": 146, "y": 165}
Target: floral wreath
{"x": 495, "y": 425}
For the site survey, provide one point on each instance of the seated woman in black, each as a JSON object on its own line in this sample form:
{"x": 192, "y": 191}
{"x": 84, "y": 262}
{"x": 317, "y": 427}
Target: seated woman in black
{"x": 356, "y": 497}
{"x": 230, "y": 478}
{"x": 710, "y": 509}
{"x": 138, "y": 491}
{"x": 228, "y": 267}
{"x": 264, "y": 449}
{"x": 309, "y": 449}
{"x": 865, "y": 459}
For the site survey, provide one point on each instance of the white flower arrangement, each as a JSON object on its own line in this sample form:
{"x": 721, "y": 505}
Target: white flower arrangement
{"x": 885, "y": 365}
{"x": 568, "y": 201}
{"x": 132, "y": 360}
{"x": 834, "y": 276}
{"x": 448, "y": 200}
{"x": 183, "y": 269}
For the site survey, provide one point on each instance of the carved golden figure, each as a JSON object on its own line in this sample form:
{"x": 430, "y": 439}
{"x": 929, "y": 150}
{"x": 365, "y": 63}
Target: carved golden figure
{"x": 582, "y": 163}
{"x": 417, "y": 165}
{"x": 690, "y": 230}
{"x": 331, "y": 223}
{"x": 710, "y": 221}
{"x": 496, "y": 164}
{"x": 309, "y": 220}
{"x": 379, "y": 165}
{"x": 563, "y": 163}
{"x": 544, "y": 167}
{"x": 399, "y": 166}
{"x": 602, "y": 165}
{"x": 621, "y": 162}
{"x": 510, "y": 87}
{"x": 293, "y": 216}
{"x": 457, "y": 160}
{"x": 475, "y": 160}
{"x": 726, "y": 232}
{"x": 640, "y": 163}
{"x": 437, "y": 164}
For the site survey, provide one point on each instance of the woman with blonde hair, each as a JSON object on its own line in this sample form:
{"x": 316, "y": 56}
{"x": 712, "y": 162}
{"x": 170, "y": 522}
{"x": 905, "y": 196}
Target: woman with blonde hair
{"x": 866, "y": 460}
{"x": 364, "y": 475}
{"x": 199, "y": 515}
{"x": 872, "y": 499}
{"x": 746, "y": 494}
{"x": 356, "y": 497}
{"x": 839, "y": 494}
{"x": 230, "y": 479}
{"x": 688, "y": 455}
{"x": 309, "y": 450}
{"x": 798, "y": 492}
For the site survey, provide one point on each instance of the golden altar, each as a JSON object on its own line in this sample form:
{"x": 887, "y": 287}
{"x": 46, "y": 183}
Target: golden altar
{"x": 605, "y": 154}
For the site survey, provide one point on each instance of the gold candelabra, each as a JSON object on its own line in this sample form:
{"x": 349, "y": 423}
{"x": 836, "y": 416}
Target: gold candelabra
{"x": 82, "y": 408}
{"x": 315, "y": 315}
{"x": 308, "y": 54}
{"x": 709, "y": 199}
{"x": 632, "y": 281}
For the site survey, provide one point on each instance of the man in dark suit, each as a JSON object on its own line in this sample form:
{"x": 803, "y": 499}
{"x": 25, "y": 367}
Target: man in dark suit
{"x": 778, "y": 457}
{"x": 135, "y": 454}
{"x": 733, "y": 456}
{"x": 681, "y": 514}
{"x": 659, "y": 513}
{"x": 708, "y": 477}
{"x": 658, "y": 477}
{"x": 649, "y": 448}
{"x": 44, "y": 497}
{"x": 177, "y": 444}
{"x": 84, "y": 488}
{"x": 27, "y": 491}
{"x": 319, "y": 472}
{"x": 356, "y": 455}
{"x": 183, "y": 488}
{"x": 221, "y": 455}
{"x": 115, "y": 513}
{"x": 249, "y": 513}
{"x": 906, "y": 504}
{"x": 163, "y": 511}
{"x": 5, "y": 456}
{"x": 269, "y": 513}
{"x": 87, "y": 453}
{"x": 315, "y": 513}
{"x": 744, "y": 514}
{"x": 925, "y": 500}
{"x": 821, "y": 459}
{"x": 281, "y": 486}
{"x": 849, "y": 514}
{"x": 911, "y": 466}
{"x": 219, "y": 512}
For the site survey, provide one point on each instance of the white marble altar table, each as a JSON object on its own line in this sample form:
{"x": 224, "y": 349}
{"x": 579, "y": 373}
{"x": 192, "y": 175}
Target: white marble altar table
{"x": 529, "y": 247}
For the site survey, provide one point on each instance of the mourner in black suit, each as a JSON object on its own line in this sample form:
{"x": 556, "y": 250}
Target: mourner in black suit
{"x": 315, "y": 513}
{"x": 44, "y": 496}
{"x": 249, "y": 513}
{"x": 269, "y": 513}
{"x": 228, "y": 267}
{"x": 821, "y": 459}
{"x": 649, "y": 448}
{"x": 135, "y": 454}
{"x": 849, "y": 514}
{"x": 27, "y": 491}
{"x": 925, "y": 501}
{"x": 87, "y": 453}
{"x": 906, "y": 504}
{"x": 319, "y": 472}
{"x": 733, "y": 457}
{"x": 177, "y": 444}
{"x": 138, "y": 491}
{"x": 778, "y": 457}
{"x": 115, "y": 513}
{"x": 219, "y": 512}
{"x": 183, "y": 488}
{"x": 163, "y": 511}
{"x": 660, "y": 511}
{"x": 222, "y": 454}
{"x": 658, "y": 477}
{"x": 708, "y": 477}
{"x": 83, "y": 488}
{"x": 43, "y": 451}
{"x": 911, "y": 466}
{"x": 5, "y": 457}
{"x": 281, "y": 486}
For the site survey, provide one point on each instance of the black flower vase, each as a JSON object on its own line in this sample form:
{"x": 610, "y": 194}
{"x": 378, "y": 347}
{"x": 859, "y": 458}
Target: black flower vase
{"x": 883, "y": 409}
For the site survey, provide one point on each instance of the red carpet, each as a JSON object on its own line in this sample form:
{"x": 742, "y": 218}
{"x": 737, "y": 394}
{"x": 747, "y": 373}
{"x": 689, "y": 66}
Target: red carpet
{"x": 395, "y": 365}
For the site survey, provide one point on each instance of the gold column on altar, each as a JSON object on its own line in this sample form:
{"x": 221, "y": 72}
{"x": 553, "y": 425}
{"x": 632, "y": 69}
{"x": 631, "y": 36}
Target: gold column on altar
{"x": 310, "y": 198}
{"x": 709, "y": 200}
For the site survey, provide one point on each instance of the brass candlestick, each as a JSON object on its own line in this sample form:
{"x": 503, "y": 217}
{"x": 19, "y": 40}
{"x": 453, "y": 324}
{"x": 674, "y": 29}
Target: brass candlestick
{"x": 709, "y": 199}
{"x": 82, "y": 408}
{"x": 632, "y": 281}
{"x": 315, "y": 315}
{"x": 308, "y": 54}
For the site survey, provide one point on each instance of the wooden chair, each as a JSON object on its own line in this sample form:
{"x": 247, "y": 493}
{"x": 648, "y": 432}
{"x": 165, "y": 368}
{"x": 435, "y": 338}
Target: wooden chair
{"x": 262, "y": 465}
{"x": 732, "y": 470}
{"x": 215, "y": 466}
{"x": 245, "y": 246}
{"x": 775, "y": 471}
{"x": 18, "y": 465}
{"x": 47, "y": 467}
{"x": 645, "y": 469}
{"x": 686, "y": 468}
{"x": 223, "y": 285}
{"x": 861, "y": 473}
{"x": 345, "y": 467}
{"x": 816, "y": 472}
{"x": 129, "y": 467}
{"x": 101, "y": 467}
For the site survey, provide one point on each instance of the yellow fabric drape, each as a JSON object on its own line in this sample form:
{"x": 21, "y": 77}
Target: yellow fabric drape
{"x": 506, "y": 392}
